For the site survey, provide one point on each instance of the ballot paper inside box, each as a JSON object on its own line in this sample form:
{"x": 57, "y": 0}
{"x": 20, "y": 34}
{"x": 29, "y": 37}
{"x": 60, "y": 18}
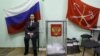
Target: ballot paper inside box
{"x": 55, "y": 48}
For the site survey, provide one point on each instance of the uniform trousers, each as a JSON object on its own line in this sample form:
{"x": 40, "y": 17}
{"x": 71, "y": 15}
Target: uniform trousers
{"x": 26, "y": 41}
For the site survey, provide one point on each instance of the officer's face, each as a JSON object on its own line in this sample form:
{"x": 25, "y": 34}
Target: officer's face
{"x": 31, "y": 17}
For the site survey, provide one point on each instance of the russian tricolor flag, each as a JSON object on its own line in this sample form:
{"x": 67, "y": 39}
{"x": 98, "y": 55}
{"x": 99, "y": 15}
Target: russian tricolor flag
{"x": 16, "y": 18}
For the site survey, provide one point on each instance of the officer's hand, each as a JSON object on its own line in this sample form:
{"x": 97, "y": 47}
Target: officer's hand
{"x": 31, "y": 33}
{"x": 28, "y": 33}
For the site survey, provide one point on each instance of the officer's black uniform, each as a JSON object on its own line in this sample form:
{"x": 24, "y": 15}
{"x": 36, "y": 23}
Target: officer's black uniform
{"x": 35, "y": 30}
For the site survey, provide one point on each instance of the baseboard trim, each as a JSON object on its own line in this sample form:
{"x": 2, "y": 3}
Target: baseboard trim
{"x": 40, "y": 49}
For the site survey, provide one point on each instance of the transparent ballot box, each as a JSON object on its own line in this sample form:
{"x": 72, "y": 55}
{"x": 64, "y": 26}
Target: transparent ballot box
{"x": 55, "y": 38}
{"x": 55, "y": 49}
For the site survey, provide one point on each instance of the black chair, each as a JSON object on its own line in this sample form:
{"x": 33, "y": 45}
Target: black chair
{"x": 99, "y": 37}
{"x": 70, "y": 46}
{"x": 88, "y": 43}
{"x": 84, "y": 38}
{"x": 76, "y": 48}
{"x": 97, "y": 51}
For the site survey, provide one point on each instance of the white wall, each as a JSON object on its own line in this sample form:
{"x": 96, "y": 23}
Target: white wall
{"x": 50, "y": 10}
{"x": 5, "y": 39}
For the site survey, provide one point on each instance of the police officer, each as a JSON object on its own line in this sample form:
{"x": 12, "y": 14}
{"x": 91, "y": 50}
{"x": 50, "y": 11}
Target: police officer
{"x": 31, "y": 32}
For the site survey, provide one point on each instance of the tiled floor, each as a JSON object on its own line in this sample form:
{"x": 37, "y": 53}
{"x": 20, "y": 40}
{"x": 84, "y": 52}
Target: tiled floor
{"x": 20, "y": 51}
{"x": 5, "y": 51}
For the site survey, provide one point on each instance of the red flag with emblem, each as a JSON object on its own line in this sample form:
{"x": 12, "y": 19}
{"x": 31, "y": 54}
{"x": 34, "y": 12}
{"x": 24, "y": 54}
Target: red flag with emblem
{"x": 81, "y": 14}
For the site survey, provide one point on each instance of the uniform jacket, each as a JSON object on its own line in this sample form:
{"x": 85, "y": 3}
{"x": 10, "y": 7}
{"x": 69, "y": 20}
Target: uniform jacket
{"x": 34, "y": 28}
